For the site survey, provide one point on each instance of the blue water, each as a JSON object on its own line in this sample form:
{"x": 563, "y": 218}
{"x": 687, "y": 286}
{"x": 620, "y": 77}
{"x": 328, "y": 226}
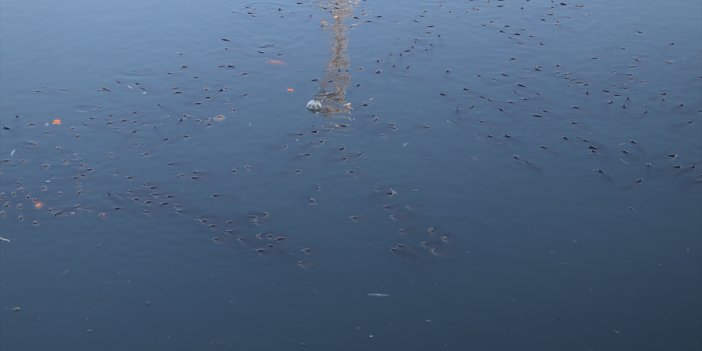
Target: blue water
{"x": 505, "y": 175}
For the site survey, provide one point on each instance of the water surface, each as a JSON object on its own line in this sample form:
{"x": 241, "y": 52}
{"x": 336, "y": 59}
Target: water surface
{"x": 492, "y": 175}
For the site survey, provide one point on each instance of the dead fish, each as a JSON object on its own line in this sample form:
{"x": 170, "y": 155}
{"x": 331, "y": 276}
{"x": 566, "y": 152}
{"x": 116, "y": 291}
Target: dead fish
{"x": 378, "y": 295}
{"x": 276, "y": 62}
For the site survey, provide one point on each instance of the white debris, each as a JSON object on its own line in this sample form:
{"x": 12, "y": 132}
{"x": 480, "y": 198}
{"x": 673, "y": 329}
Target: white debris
{"x": 314, "y": 105}
{"x": 4, "y": 239}
{"x": 12, "y": 153}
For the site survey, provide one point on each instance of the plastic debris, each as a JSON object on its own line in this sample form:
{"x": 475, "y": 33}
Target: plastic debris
{"x": 314, "y": 105}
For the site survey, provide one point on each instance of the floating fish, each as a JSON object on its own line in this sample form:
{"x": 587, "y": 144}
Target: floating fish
{"x": 378, "y": 295}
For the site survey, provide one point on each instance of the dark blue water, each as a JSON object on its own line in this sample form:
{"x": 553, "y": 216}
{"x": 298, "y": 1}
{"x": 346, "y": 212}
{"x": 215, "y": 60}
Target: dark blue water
{"x": 484, "y": 175}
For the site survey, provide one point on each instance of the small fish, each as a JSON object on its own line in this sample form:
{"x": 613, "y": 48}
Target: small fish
{"x": 378, "y": 295}
{"x": 275, "y": 62}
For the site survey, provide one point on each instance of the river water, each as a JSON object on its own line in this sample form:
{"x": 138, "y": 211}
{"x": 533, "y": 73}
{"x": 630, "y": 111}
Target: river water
{"x": 483, "y": 175}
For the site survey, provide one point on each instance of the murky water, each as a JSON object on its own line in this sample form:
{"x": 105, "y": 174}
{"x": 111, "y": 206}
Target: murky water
{"x": 491, "y": 175}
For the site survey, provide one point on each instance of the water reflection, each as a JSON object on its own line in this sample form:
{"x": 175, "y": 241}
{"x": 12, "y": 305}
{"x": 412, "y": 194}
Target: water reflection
{"x": 332, "y": 92}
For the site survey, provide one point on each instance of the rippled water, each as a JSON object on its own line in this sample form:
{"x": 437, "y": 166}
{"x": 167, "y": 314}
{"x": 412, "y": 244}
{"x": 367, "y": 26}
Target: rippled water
{"x": 492, "y": 175}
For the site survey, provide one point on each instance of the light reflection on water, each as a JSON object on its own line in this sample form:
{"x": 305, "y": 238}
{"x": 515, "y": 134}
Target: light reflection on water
{"x": 508, "y": 173}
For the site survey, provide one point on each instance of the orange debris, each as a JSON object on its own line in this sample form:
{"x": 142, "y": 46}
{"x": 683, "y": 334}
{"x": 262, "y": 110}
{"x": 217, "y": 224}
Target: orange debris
{"x": 290, "y": 90}
{"x": 38, "y": 204}
{"x": 56, "y": 121}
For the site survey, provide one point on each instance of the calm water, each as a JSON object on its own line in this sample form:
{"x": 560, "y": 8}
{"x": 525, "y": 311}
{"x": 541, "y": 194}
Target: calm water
{"x": 484, "y": 175}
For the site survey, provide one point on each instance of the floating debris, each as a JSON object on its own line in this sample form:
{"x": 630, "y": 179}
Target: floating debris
{"x": 314, "y": 105}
